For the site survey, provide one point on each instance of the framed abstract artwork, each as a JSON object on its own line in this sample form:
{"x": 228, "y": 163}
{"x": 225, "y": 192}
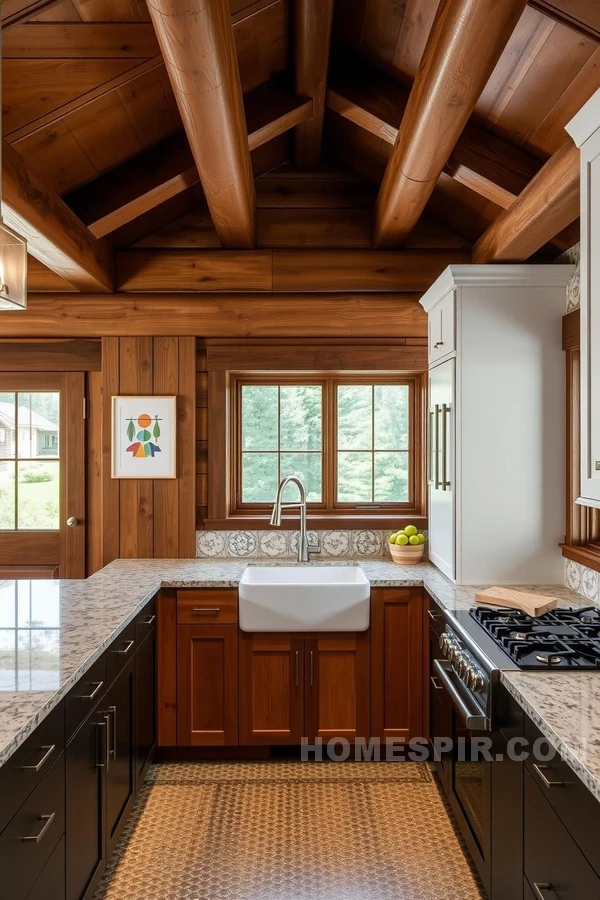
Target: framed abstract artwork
{"x": 144, "y": 437}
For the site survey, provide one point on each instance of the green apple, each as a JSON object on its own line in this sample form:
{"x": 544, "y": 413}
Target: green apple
{"x": 402, "y": 540}
{"x": 393, "y": 537}
{"x": 414, "y": 540}
{"x": 410, "y": 530}
{"x": 421, "y": 538}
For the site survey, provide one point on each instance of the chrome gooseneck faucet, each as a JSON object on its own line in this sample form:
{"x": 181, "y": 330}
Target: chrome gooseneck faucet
{"x": 305, "y": 548}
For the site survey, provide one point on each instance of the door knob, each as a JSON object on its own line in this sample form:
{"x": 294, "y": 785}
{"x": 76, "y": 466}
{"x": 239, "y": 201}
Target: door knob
{"x": 72, "y": 522}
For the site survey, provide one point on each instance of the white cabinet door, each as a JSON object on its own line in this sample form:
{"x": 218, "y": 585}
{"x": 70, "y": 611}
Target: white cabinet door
{"x": 442, "y": 467}
{"x": 441, "y": 328}
{"x": 590, "y": 321}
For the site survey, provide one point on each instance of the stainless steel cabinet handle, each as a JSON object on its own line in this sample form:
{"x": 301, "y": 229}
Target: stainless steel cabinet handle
{"x": 541, "y": 890}
{"x": 125, "y": 649}
{"x": 101, "y": 762}
{"x": 49, "y": 748}
{"x": 437, "y": 446}
{"x": 36, "y": 838}
{"x": 445, "y": 411}
{"x": 436, "y": 683}
{"x": 548, "y": 782}
{"x": 106, "y": 718}
{"x": 312, "y": 668}
{"x": 113, "y": 711}
{"x": 209, "y": 610}
{"x": 91, "y": 696}
{"x": 148, "y": 621}
{"x": 438, "y": 344}
{"x": 297, "y": 668}
{"x": 431, "y": 461}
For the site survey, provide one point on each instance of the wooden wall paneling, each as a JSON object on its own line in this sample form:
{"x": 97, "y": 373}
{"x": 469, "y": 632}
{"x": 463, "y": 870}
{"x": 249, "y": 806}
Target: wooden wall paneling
{"x": 165, "y": 500}
{"x": 436, "y": 114}
{"x": 186, "y": 436}
{"x": 260, "y": 32}
{"x": 228, "y": 270}
{"x": 316, "y": 356}
{"x": 166, "y": 612}
{"x": 14, "y": 552}
{"x": 94, "y": 480}
{"x": 111, "y": 515}
{"x": 201, "y": 436}
{"x": 97, "y": 40}
{"x": 136, "y": 496}
{"x": 50, "y": 355}
{"x": 218, "y": 416}
{"x": 73, "y": 489}
{"x": 54, "y": 234}
{"x": 548, "y": 204}
{"x": 200, "y": 58}
{"x": 312, "y": 34}
{"x": 15, "y": 12}
{"x": 419, "y": 16}
{"x": 344, "y": 314}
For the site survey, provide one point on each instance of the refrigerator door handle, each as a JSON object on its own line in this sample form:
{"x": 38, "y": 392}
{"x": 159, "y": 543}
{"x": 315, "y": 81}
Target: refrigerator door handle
{"x": 437, "y": 447}
{"x": 445, "y": 416}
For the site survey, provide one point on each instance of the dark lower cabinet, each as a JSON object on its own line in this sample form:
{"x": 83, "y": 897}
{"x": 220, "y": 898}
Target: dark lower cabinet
{"x": 120, "y": 769}
{"x": 51, "y": 883}
{"x": 506, "y": 863}
{"x": 145, "y": 703}
{"x": 85, "y": 820}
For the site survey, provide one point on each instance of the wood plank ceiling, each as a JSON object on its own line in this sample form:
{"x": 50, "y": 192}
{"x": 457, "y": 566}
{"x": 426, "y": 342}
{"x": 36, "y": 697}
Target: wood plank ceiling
{"x": 272, "y": 145}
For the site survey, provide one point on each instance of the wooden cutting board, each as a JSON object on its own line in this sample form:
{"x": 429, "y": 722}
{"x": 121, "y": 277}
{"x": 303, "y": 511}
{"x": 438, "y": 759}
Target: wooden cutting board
{"x": 532, "y": 604}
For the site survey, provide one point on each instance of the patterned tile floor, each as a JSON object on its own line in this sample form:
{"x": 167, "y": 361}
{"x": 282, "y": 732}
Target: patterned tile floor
{"x": 289, "y": 831}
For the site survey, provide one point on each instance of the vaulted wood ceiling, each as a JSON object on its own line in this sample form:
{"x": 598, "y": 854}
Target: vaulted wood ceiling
{"x": 271, "y": 126}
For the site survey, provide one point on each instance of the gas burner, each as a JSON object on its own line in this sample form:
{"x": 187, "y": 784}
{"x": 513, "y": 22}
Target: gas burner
{"x": 560, "y": 639}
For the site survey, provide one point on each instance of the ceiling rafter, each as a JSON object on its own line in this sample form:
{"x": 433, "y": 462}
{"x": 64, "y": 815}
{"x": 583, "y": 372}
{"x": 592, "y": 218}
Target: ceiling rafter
{"x": 580, "y": 15}
{"x": 490, "y": 166}
{"x": 15, "y": 12}
{"x": 55, "y": 236}
{"x": 313, "y": 20}
{"x": 200, "y": 57}
{"x": 455, "y": 68}
{"x": 547, "y": 205}
{"x": 163, "y": 171}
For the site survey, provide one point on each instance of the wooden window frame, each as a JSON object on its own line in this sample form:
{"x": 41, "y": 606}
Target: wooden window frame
{"x": 582, "y": 542}
{"x": 322, "y": 362}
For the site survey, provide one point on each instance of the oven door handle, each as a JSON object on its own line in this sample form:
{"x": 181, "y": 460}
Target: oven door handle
{"x": 474, "y": 720}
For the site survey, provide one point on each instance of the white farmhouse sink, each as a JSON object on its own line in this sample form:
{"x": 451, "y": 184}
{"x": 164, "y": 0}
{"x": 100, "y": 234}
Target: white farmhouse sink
{"x": 304, "y": 598}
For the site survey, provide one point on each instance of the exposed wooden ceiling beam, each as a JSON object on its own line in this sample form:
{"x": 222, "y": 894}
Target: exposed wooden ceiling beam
{"x": 581, "y": 15}
{"x": 15, "y": 12}
{"x": 55, "y": 236}
{"x": 465, "y": 43}
{"x": 197, "y": 44}
{"x": 546, "y": 206}
{"x": 312, "y": 36}
{"x": 168, "y": 168}
{"x": 490, "y": 166}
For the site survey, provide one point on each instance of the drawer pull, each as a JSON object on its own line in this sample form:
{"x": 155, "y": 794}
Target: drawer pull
{"x": 297, "y": 668}
{"x": 438, "y": 344}
{"x": 548, "y": 782}
{"x": 541, "y": 890}
{"x": 49, "y": 748}
{"x": 125, "y": 649}
{"x": 148, "y": 621}
{"x": 98, "y": 686}
{"x": 36, "y": 838}
{"x": 208, "y": 610}
{"x": 436, "y": 683}
{"x": 433, "y": 615}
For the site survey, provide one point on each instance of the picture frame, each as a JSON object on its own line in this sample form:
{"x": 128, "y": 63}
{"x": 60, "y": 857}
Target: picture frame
{"x": 144, "y": 437}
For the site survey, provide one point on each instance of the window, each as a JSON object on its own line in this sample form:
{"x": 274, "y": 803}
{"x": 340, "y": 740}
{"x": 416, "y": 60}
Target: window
{"x": 355, "y": 441}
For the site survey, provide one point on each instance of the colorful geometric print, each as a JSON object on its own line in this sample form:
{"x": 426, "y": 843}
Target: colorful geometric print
{"x": 144, "y": 447}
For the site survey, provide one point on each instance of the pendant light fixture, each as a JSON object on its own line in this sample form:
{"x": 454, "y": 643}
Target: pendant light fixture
{"x": 13, "y": 252}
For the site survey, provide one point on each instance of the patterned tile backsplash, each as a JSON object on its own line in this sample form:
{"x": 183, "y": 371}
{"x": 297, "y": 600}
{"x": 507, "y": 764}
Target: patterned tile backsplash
{"x": 278, "y": 544}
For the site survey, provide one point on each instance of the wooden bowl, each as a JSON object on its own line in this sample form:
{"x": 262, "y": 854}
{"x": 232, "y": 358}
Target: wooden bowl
{"x": 408, "y": 555}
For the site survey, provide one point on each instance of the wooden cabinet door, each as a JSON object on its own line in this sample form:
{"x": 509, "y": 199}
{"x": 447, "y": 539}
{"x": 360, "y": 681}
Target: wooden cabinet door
{"x": 86, "y": 758}
{"x": 271, "y": 689}
{"x": 337, "y": 677}
{"x": 120, "y": 770}
{"x": 207, "y": 685}
{"x": 397, "y": 663}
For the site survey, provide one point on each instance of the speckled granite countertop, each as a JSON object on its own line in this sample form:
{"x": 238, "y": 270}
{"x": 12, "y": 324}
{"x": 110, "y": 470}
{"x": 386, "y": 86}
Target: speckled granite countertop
{"x": 64, "y": 626}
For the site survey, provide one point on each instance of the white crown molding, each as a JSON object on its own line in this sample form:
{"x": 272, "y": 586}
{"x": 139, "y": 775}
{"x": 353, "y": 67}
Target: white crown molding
{"x": 495, "y": 275}
{"x": 586, "y": 122}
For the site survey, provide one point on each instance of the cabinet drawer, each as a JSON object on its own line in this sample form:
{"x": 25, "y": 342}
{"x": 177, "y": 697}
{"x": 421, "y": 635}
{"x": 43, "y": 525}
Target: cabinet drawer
{"x": 120, "y": 652}
{"x": 145, "y": 621}
{"x": 28, "y": 765}
{"x": 441, "y": 325}
{"x": 551, "y": 855}
{"x": 82, "y": 699}
{"x": 28, "y": 841}
{"x": 575, "y": 806}
{"x": 51, "y": 882}
{"x": 205, "y": 607}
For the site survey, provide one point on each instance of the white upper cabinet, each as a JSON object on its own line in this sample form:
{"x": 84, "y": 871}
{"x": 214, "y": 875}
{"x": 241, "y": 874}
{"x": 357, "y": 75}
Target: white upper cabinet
{"x": 585, "y": 131}
{"x": 441, "y": 328}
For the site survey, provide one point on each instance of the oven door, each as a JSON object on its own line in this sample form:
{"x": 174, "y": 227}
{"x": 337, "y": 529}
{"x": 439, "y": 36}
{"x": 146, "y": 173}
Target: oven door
{"x": 468, "y": 768}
